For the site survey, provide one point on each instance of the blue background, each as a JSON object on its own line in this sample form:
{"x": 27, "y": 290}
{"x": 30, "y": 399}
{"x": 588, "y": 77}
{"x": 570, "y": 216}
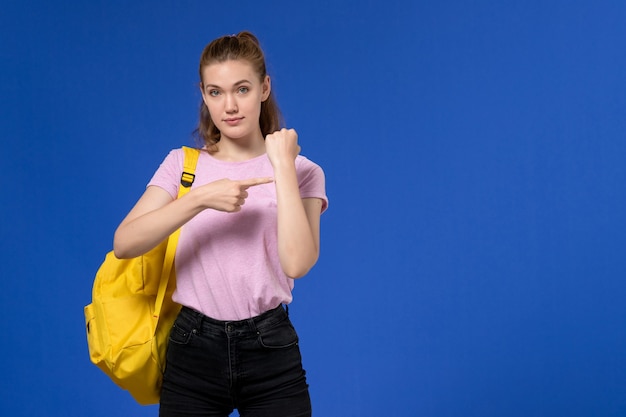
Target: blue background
{"x": 473, "y": 255}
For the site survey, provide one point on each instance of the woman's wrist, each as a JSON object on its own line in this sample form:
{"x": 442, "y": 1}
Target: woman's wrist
{"x": 284, "y": 166}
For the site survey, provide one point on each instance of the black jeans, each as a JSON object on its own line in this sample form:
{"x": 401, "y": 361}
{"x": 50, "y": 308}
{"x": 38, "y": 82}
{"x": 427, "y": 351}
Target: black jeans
{"x": 252, "y": 365}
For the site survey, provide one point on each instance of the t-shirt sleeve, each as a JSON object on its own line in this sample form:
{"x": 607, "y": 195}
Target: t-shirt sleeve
{"x": 312, "y": 181}
{"x": 167, "y": 176}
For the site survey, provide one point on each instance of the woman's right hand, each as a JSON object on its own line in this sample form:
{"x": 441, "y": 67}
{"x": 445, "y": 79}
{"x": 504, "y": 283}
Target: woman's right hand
{"x": 227, "y": 195}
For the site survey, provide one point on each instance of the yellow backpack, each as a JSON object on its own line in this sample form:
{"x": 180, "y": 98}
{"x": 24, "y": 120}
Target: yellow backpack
{"x": 132, "y": 312}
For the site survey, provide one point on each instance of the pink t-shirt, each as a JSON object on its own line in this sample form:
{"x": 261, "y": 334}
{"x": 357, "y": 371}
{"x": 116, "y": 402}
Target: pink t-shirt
{"x": 227, "y": 264}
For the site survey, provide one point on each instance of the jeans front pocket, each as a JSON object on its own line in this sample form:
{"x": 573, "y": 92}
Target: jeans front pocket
{"x": 282, "y": 335}
{"x": 179, "y": 334}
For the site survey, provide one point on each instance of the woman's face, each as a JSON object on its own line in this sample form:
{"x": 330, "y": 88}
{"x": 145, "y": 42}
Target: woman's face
{"x": 233, "y": 93}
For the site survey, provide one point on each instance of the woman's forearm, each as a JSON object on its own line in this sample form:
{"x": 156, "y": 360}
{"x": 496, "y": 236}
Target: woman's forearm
{"x": 151, "y": 221}
{"x": 156, "y": 215}
{"x": 298, "y": 223}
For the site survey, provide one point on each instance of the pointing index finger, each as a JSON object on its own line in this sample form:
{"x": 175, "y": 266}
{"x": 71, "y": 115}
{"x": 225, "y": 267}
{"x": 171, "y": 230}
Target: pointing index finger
{"x": 251, "y": 182}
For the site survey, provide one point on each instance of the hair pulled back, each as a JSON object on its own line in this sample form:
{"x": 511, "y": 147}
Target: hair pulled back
{"x": 242, "y": 46}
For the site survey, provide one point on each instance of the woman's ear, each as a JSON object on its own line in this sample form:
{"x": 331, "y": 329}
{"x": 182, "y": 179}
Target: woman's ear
{"x": 266, "y": 88}
{"x": 201, "y": 86}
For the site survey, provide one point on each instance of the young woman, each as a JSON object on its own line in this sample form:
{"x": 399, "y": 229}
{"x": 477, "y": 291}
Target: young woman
{"x": 251, "y": 226}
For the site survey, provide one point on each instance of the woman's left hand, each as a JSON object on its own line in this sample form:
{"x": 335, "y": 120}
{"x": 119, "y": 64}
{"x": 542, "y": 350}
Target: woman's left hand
{"x": 282, "y": 146}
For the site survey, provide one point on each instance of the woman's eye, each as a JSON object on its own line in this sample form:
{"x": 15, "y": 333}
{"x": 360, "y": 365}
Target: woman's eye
{"x": 243, "y": 90}
{"x": 214, "y": 93}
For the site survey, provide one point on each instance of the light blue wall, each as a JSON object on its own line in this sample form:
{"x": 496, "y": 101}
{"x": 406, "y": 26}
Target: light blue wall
{"x": 474, "y": 253}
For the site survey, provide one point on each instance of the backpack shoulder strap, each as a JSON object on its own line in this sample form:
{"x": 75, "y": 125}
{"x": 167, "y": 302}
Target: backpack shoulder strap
{"x": 189, "y": 169}
{"x": 186, "y": 180}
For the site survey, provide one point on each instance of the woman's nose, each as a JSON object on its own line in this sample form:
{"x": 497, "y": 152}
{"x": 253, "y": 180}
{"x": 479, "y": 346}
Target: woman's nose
{"x": 231, "y": 104}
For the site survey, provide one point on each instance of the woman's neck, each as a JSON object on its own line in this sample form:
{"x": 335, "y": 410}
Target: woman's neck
{"x": 236, "y": 150}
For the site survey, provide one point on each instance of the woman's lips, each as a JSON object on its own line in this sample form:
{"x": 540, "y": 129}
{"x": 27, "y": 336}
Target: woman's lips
{"x": 233, "y": 121}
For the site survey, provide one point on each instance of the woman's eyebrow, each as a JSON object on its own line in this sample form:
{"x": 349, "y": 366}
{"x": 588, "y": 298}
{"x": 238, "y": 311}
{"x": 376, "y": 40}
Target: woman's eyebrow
{"x": 235, "y": 84}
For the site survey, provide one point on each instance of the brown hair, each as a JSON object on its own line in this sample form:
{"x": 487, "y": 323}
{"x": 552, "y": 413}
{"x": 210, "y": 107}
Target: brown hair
{"x": 244, "y": 46}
